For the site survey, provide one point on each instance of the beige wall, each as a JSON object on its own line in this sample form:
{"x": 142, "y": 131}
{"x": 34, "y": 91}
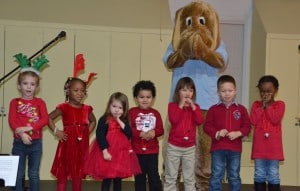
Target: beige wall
{"x": 258, "y": 55}
{"x": 117, "y": 13}
{"x": 279, "y": 16}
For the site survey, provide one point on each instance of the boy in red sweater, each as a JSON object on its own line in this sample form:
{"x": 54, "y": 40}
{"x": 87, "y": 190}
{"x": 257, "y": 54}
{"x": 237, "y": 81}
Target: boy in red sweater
{"x": 147, "y": 126}
{"x": 226, "y": 123}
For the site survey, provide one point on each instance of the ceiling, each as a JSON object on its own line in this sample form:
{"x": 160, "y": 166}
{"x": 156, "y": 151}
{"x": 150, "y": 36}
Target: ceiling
{"x": 277, "y": 16}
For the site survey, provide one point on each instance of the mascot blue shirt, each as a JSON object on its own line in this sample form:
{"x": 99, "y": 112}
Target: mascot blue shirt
{"x": 205, "y": 77}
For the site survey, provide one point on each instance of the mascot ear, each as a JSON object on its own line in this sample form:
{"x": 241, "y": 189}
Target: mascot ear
{"x": 176, "y": 32}
{"x": 215, "y": 29}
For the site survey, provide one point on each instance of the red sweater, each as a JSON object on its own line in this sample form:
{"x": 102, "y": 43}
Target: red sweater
{"x": 145, "y": 120}
{"x": 24, "y": 113}
{"x": 183, "y": 124}
{"x": 233, "y": 118}
{"x": 267, "y": 121}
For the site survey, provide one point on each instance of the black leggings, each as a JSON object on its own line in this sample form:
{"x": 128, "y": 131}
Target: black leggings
{"x": 116, "y": 181}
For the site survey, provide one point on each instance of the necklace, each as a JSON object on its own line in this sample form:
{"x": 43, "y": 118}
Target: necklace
{"x": 78, "y": 127}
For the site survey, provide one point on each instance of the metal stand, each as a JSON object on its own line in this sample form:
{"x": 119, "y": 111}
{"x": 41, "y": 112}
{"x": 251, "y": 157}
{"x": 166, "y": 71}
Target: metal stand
{"x": 62, "y": 34}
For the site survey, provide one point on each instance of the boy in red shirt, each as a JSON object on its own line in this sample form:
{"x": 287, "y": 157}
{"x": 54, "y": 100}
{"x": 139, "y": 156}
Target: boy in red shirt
{"x": 147, "y": 126}
{"x": 226, "y": 123}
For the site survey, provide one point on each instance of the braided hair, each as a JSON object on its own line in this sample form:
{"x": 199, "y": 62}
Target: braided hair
{"x": 70, "y": 81}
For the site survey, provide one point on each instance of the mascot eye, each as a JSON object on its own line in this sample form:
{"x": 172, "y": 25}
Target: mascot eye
{"x": 188, "y": 21}
{"x": 202, "y": 20}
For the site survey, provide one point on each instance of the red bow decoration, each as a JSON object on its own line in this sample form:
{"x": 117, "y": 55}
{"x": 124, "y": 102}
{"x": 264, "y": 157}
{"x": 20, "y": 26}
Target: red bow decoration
{"x": 79, "y": 64}
{"x": 90, "y": 78}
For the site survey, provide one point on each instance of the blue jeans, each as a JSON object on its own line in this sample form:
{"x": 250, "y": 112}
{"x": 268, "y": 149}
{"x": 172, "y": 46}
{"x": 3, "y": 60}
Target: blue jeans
{"x": 229, "y": 160}
{"x": 266, "y": 170}
{"x": 34, "y": 153}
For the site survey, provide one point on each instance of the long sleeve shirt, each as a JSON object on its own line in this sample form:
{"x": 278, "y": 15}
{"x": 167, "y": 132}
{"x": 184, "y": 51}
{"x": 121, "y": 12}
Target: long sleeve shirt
{"x": 144, "y": 120}
{"x": 24, "y": 113}
{"x": 232, "y": 118}
{"x": 183, "y": 124}
{"x": 267, "y": 121}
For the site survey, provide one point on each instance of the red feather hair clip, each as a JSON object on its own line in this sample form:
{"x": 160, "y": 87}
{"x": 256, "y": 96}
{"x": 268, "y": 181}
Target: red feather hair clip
{"x": 79, "y": 66}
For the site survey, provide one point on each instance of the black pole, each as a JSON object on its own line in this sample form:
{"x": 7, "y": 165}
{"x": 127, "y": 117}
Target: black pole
{"x": 59, "y": 36}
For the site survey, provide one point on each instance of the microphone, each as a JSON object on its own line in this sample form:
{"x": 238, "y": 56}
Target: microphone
{"x": 62, "y": 34}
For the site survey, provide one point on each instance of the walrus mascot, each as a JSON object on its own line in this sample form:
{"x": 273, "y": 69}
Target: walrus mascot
{"x": 197, "y": 52}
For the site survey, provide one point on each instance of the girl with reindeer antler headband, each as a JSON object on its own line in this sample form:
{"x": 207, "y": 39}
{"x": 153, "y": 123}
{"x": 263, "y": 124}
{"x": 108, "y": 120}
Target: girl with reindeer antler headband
{"x": 27, "y": 117}
{"x": 78, "y": 122}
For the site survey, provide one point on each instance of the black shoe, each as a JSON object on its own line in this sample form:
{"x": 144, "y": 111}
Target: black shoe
{"x": 273, "y": 187}
{"x": 260, "y": 186}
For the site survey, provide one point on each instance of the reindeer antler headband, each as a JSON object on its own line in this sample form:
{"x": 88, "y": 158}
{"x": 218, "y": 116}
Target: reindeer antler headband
{"x": 79, "y": 65}
{"x": 36, "y": 66}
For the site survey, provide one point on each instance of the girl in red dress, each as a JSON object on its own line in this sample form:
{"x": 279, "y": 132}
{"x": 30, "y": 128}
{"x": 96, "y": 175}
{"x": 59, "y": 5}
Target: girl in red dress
{"x": 111, "y": 157}
{"x": 78, "y": 122}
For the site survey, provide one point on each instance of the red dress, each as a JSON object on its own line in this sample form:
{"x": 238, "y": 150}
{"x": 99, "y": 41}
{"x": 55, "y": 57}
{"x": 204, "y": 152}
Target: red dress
{"x": 124, "y": 162}
{"x": 71, "y": 154}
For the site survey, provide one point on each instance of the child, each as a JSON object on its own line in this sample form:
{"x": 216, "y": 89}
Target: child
{"x": 111, "y": 157}
{"x": 226, "y": 123}
{"x": 184, "y": 115}
{"x": 78, "y": 122}
{"x": 266, "y": 116}
{"x": 27, "y": 117}
{"x": 146, "y": 125}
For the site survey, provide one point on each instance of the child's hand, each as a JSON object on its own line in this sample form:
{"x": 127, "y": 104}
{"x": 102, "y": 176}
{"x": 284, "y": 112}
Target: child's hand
{"x": 189, "y": 102}
{"x": 118, "y": 115}
{"x": 267, "y": 99}
{"x": 143, "y": 135}
{"x": 61, "y": 135}
{"x": 106, "y": 155}
{"x": 192, "y": 104}
{"x": 222, "y": 133}
{"x": 150, "y": 135}
{"x": 234, "y": 134}
{"x": 181, "y": 103}
{"x": 264, "y": 103}
{"x": 26, "y": 139}
{"x": 20, "y": 130}
{"x": 121, "y": 123}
